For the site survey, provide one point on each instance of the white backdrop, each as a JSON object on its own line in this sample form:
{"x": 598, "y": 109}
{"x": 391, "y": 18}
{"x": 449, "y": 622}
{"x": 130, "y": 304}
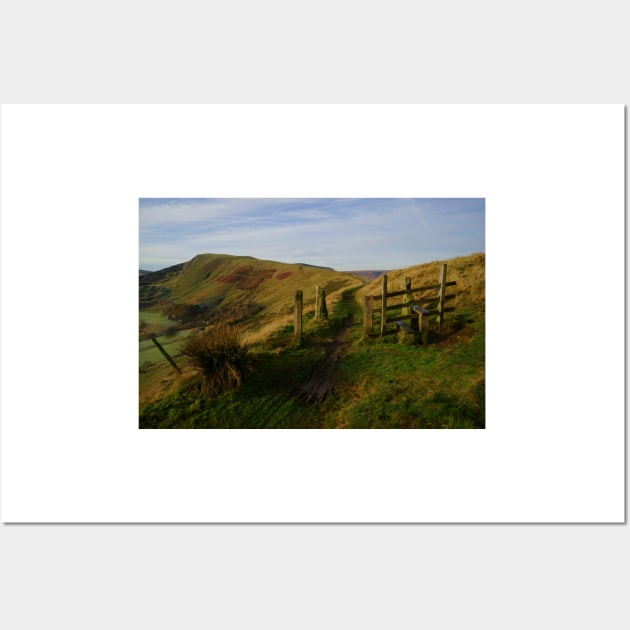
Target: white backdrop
{"x": 552, "y": 178}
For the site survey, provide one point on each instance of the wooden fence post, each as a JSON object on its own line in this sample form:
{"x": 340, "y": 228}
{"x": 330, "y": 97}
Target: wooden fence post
{"x": 321, "y": 311}
{"x": 423, "y": 326}
{"x": 442, "y": 295}
{"x": 407, "y": 298}
{"x": 368, "y": 315}
{"x": 384, "y": 305}
{"x": 297, "y": 325}
{"x": 158, "y": 345}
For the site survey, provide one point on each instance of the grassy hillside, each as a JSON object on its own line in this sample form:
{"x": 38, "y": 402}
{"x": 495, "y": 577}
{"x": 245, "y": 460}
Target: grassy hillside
{"x": 376, "y": 382}
{"x": 467, "y": 271}
{"x": 259, "y": 293}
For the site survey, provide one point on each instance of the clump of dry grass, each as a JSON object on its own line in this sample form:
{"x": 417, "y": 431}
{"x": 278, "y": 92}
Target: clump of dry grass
{"x": 220, "y": 358}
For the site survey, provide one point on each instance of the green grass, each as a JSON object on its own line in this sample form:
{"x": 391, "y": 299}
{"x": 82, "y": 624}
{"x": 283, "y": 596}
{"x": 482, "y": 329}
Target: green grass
{"x": 379, "y": 383}
{"x": 388, "y": 385}
{"x": 149, "y": 354}
{"x": 153, "y": 316}
{"x": 265, "y": 400}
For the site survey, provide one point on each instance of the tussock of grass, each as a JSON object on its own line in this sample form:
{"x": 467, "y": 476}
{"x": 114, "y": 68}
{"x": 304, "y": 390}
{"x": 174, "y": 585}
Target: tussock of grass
{"x": 219, "y": 357}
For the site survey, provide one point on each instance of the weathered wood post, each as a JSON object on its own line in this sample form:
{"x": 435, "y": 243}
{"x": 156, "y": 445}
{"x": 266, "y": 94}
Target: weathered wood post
{"x": 442, "y": 295}
{"x": 423, "y": 328}
{"x": 368, "y": 315}
{"x": 158, "y": 345}
{"x": 423, "y": 323}
{"x": 321, "y": 311}
{"x": 384, "y": 305}
{"x": 297, "y": 325}
{"x": 407, "y": 298}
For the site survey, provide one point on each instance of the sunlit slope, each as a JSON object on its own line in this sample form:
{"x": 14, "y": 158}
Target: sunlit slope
{"x": 222, "y": 280}
{"x": 467, "y": 271}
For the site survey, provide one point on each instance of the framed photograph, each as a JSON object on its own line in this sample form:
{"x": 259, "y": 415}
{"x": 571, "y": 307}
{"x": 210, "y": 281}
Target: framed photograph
{"x": 331, "y": 313}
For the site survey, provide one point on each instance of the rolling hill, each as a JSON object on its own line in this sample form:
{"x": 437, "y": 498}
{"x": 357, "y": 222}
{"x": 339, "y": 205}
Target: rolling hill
{"x": 256, "y": 293}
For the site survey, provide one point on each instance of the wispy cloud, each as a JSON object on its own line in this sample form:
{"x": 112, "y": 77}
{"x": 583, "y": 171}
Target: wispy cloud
{"x": 340, "y": 233}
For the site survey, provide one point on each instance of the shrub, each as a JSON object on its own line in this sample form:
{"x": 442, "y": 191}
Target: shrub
{"x": 219, "y": 356}
{"x": 186, "y": 313}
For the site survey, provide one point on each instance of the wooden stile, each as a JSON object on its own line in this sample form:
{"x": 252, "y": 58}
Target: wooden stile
{"x": 407, "y": 297}
{"x": 423, "y": 323}
{"x": 431, "y": 305}
{"x": 428, "y": 287}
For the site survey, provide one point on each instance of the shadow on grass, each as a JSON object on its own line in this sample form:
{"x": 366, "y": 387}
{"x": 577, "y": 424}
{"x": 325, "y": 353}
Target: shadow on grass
{"x": 264, "y": 400}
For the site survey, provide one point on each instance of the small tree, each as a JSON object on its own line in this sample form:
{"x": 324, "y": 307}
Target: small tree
{"x": 220, "y": 357}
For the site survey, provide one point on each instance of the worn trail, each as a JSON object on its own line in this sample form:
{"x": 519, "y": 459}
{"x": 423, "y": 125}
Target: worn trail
{"x": 320, "y": 380}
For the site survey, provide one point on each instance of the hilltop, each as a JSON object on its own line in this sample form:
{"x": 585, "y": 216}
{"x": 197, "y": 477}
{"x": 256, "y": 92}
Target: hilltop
{"x": 238, "y": 289}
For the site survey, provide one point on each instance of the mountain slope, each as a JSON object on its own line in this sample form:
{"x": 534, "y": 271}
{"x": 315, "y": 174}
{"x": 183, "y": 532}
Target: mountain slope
{"x": 239, "y": 287}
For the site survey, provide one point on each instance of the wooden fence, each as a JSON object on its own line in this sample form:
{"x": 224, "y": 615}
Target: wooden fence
{"x": 416, "y": 304}
{"x": 321, "y": 311}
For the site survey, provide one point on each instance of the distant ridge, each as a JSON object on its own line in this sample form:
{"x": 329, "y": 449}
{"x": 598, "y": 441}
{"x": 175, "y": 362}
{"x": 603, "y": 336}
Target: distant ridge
{"x": 367, "y": 274}
{"x": 317, "y": 267}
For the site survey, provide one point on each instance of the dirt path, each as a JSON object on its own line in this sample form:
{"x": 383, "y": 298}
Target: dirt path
{"x": 320, "y": 380}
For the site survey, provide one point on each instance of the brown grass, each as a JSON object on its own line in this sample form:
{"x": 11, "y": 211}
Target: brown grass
{"x": 157, "y": 380}
{"x": 468, "y": 271}
{"x": 262, "y": 331}
{"x": 246, "y": 277}
{"x": 219, "y": 357}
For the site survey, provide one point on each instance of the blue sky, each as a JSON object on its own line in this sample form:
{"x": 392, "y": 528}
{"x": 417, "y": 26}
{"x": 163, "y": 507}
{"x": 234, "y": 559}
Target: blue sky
{"x": 345, "y": 234}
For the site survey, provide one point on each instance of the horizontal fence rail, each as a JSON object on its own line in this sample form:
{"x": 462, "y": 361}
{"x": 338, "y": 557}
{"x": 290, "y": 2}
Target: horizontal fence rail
{"x": 413, "y": 307}
{"x": 429, "y": 287}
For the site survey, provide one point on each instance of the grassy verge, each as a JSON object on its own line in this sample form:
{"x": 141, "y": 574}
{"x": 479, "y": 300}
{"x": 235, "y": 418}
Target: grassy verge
{"x": 265, "y": 400}
{"x": 379, "y": 383}
{"x": 389, "y": 385}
